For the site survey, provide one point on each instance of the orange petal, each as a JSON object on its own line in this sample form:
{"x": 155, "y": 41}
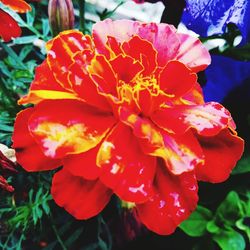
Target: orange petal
{"x": 8, "y": 27}
{"x": 208, "y": 119}
{"x": 221, "y": 155}
{"x": 63, "y": 127}
{"x": 174, "y": 199}
{"x": 17, "y": 5}
{"x": 61, "y": 51}
{"x": 81, "y": 198}
{"x": 28, "y": 153}
{"x": 129, "y": 173}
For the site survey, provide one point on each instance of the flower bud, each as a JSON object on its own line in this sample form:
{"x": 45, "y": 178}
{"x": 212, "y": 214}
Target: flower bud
{"x": 61, "y": 15}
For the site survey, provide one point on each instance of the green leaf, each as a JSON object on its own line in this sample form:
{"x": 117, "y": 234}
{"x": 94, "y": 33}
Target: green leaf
{"x": 212, "y": 227}
{"x": 230, "y": 210}
{"x": 73, "y": 237}
{"x": 230, "y": 240}
{"x": 30, "y": 16}
{"x": 243, "y": 166}
{"x": 196, "y": 224}
{"x": 244, "y": 225}
{"x": 45, "y": 207}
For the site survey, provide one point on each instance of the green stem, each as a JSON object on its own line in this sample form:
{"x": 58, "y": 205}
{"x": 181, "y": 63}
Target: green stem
{"x": 81, "y": 4}
{"x": 57, "y": 234}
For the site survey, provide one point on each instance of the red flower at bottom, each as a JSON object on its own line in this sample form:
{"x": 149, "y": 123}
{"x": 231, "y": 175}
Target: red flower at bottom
{"x": 123, "y": 113}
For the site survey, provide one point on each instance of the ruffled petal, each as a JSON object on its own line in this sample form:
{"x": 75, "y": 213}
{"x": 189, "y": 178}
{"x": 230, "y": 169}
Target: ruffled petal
{"x": 192, "y": 53}
{"x": 194, "y": 96}
{"x": 82, "y": 83}
{"x": 17, "y": 5}
{"x": 221, "y": 155}
{"x": 162, "y": 36}
{"x": 8, "y": 27}
{"x": 181, "y": 153}
{"x": 81, "y": 198}
{"x": 174, "y": 199}
{"x": 207, "y": 119}
{"x": 45, "y": 86}
{"x": 126, "y": 67}
{"x": 176, "y": 79}
{"x": 28, "y": 153}
{"x": 83, "y": 165}
{"x": 142, "y": 51}
{"x": 103, "y": 74}
{"x": 129, "y": 173}
{"x": 63, "y": 127}
{"x": 61, "y": 50}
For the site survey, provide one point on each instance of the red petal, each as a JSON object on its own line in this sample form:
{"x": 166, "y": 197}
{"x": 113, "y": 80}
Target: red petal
{"x": 83, "y": 165}
{"x": 4, "y": 185}
{"x": 28, "y": 153}
{"x": 174, "y": 200}
{"x": 81, "y": 81}
{"x": 162, "y": 36}
{"x": 194, "y": 96}
{"x": 142, "y": 51}
{"x": 103, "y": 74}
{"x": 176, "y": 79}
{"x": 81, "y": 198}
{"x": 8, "y": 27}
{"x": 181, "y": 153}
{"x": 45, "y": 86}
{"x": 17, "y": 5}
{"x": 63, "y": 127}
{"x": 61, "y": 51}
{"x": 192, "y": 53}
{"x": 128, "y": 172}
{"x": 208, "y": 119}
{"x": 221, "y": 154}
{"x": 126, "y": 68}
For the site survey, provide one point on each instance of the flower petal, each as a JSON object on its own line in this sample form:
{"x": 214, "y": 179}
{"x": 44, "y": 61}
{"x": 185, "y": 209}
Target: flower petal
{"x": 208, "y": 119}
{"x": 8, "y": 27}
{"x": 82, "y": 83}
{"x": 61, "y": 51}
{"x": 126, "y": 67}
{"x": 192, "y": 53}
{"x": 162, "y": 36}
{"x": 142, "y": 51}
{"x": 221, "y": 155}
{"x": 174, "y": 200}
{"x": 81, "y": 198}
{"x": 181, "y": 153}
{"x": 28, "y": 153}
{"x": 45, "y": 86}
{"x": 83, "y": 165}
{"x": 129, "y": 173}
{"x": 63, "y": 127}
{"x": 176, "y": 79}
{"x": 17, "y": 5}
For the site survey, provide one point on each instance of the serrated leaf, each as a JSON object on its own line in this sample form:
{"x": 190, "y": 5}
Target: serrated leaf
{"x": 230, "y": 240}
{"x": 38, "y": 195}
{"x": 195, "y": 225}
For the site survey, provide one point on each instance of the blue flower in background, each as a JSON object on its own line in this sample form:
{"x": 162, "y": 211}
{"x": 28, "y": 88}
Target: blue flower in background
{"x": 210, "y": 17}
{"x": 223, "y": 76}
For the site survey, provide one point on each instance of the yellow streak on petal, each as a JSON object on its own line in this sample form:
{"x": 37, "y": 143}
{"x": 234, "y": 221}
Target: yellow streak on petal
{"x": 35, "y": 96}
{"x": 75, "y": 138}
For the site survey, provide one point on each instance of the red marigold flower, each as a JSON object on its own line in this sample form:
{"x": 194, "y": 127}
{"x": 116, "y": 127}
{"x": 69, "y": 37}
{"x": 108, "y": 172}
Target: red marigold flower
{"x": 123, "y": 113}
{"x": 8, "y": 26}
